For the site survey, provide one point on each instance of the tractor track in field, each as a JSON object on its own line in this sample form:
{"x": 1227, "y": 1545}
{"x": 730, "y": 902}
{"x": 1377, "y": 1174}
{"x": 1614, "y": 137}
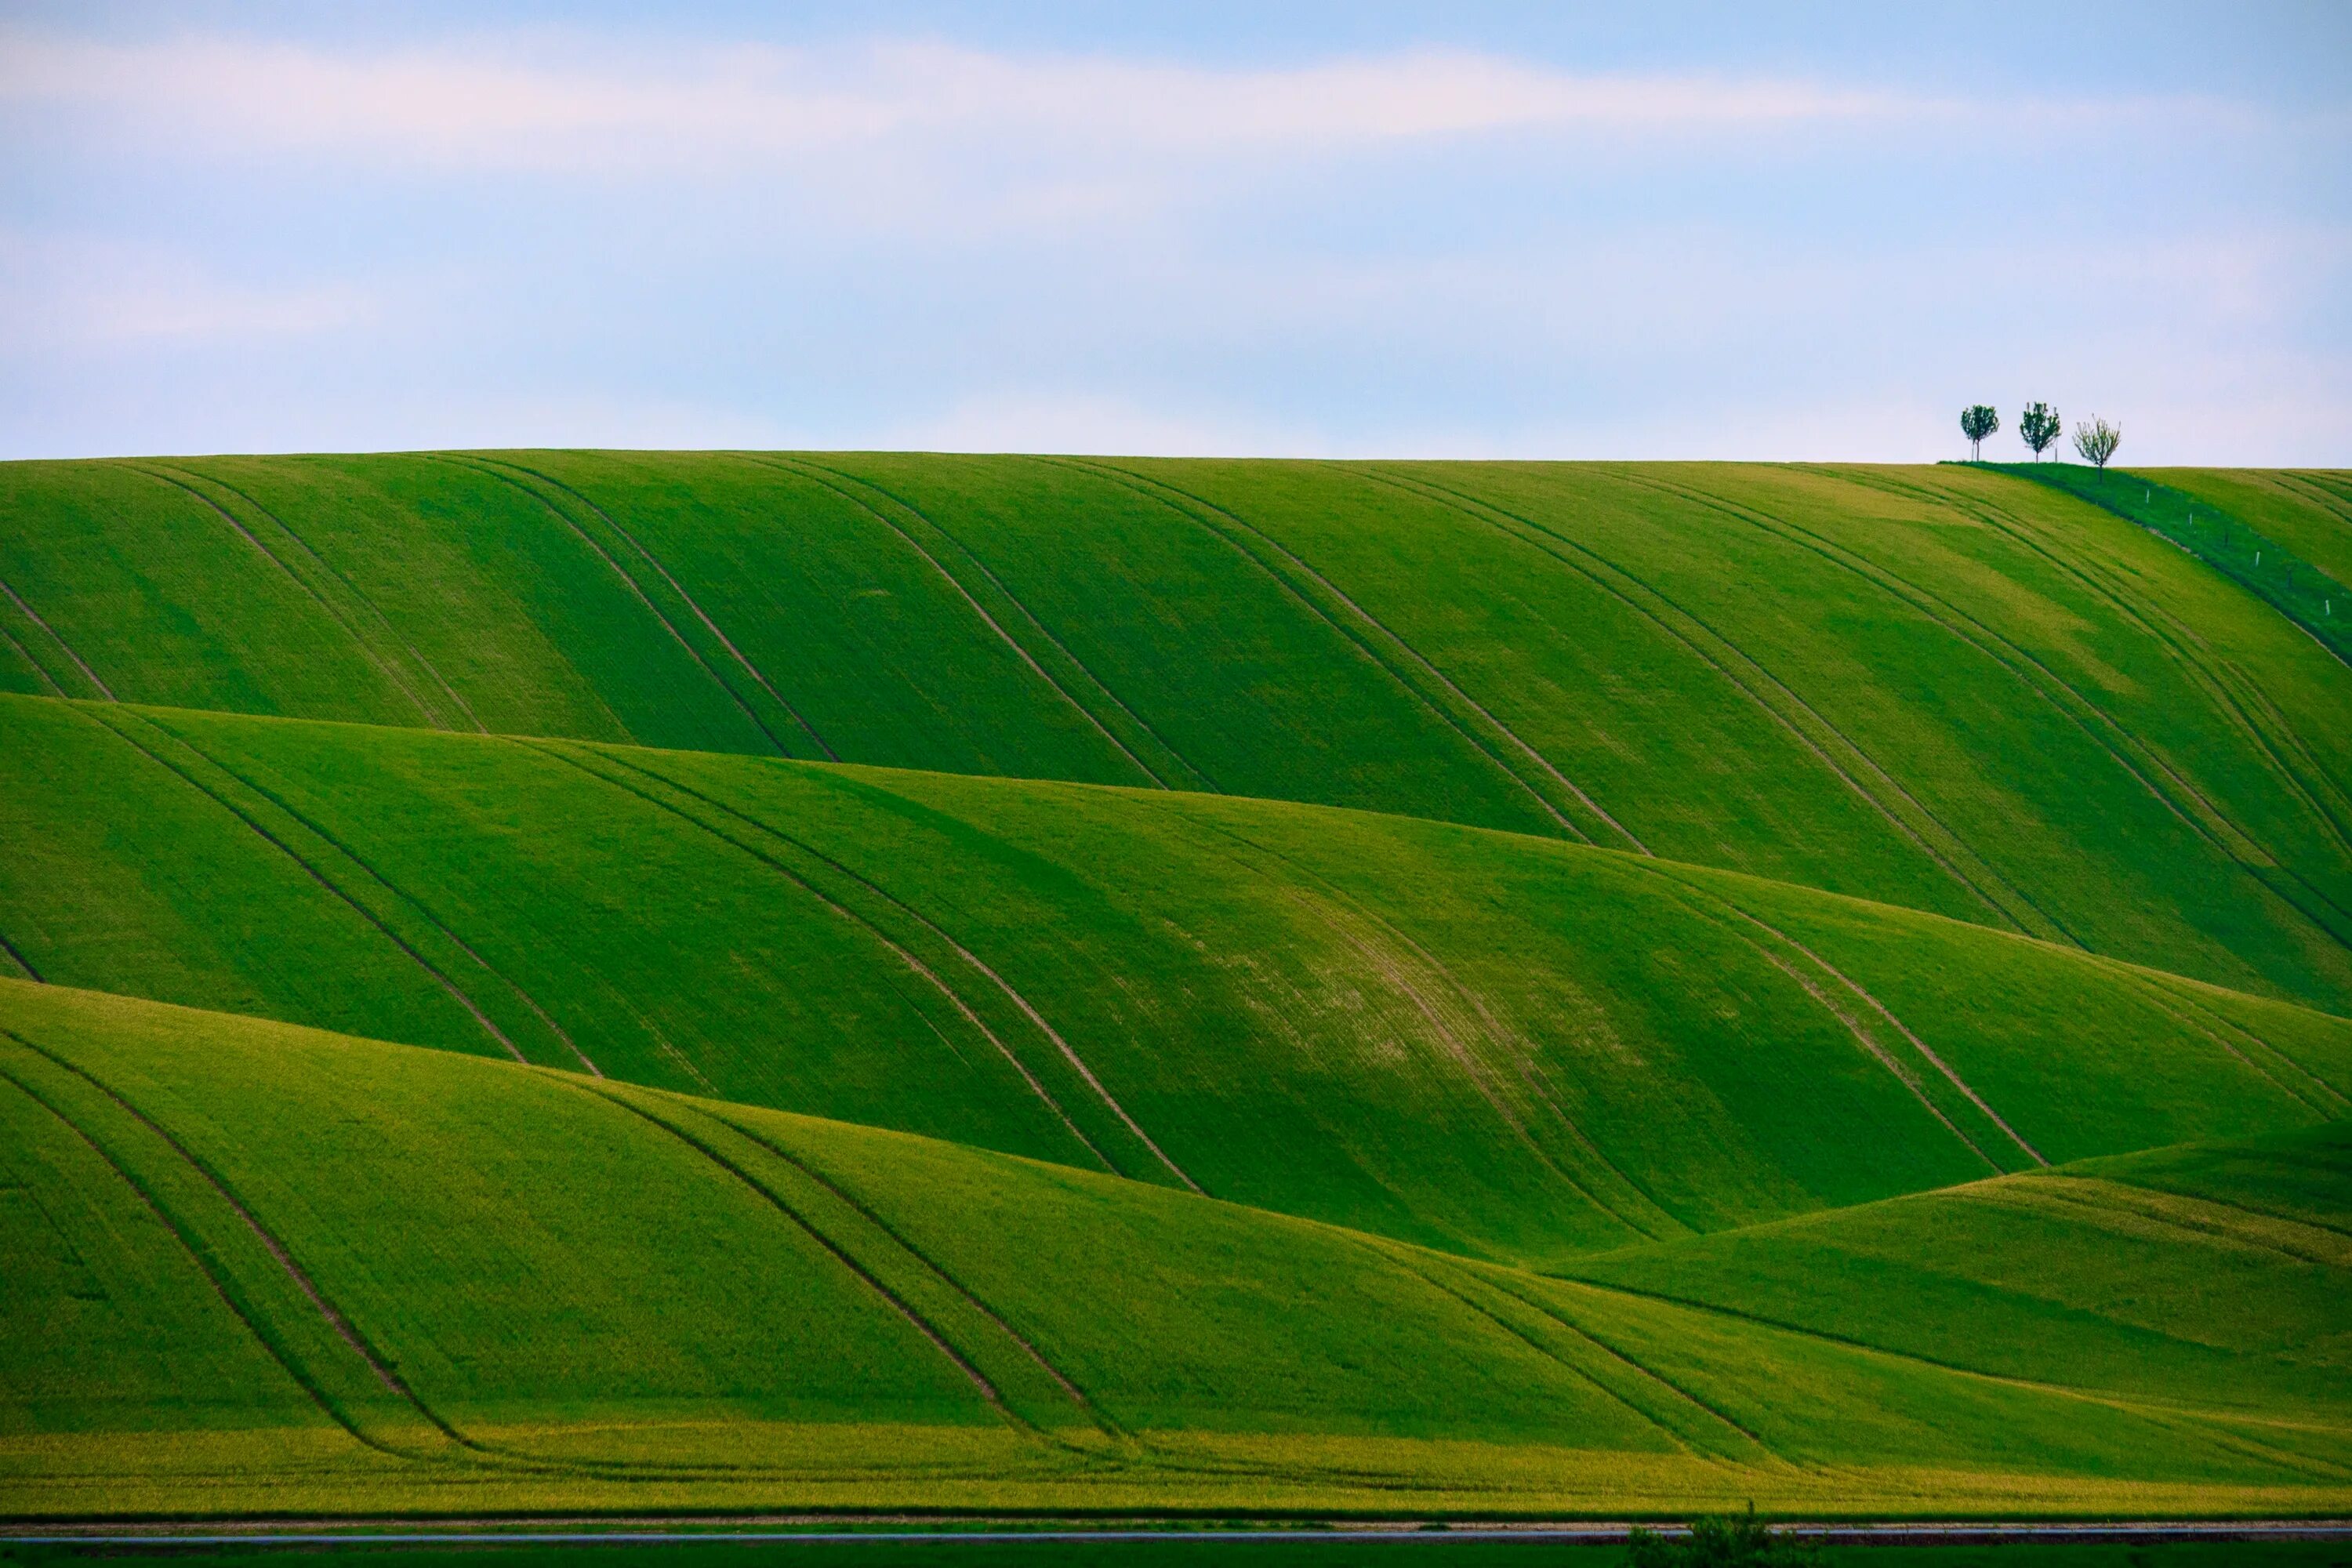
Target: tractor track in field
{"x": 33, "y": 616}
{"x": 16, "y": 956}
{"x": 286, "y": 1364}
{"x": 2189, "y": 1012}
{"x": 491, "y": 1454}
{"x": 455, "y": 992}
{"x": 1876, "y": 1006}
{"x": 334, "y": 1317}
{"x": 629, "y": 582}
{"x": 351, "y": 586}
{"x": 1069, "y": 1053}
{"x": 2143, "y": 1409}
{"x": 1160, "y": 492}
{"x": 1078, "y": 1397}
{"x": 1461, "y": 1053}
{"x": 2216, "y": 688}
{"x": 31, "y": 663}
{"x": 438, "y": 924}
{"x": 1638, "y": 1367}
{"x": 1713, "y": 908}
{"x": 1761, "y": 524}
{"x": 837, "y": 484}
{"x": 1550, "y": 542}
{"x": 710, "y": 626}
{"x": 2169, "y": 1211}
{"x": 839, "y": 1253}
{"x": 997, "y": 583}
{"x": 367, "y": 650}
{"x": 1999, "y": 649}
{"x": 1410, "y": 653}
{"x": 845, "y": 912}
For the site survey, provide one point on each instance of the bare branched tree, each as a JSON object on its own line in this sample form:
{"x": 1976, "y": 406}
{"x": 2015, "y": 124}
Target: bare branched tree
{"x": 1977, "y": 422}
{"x": 2097, "y": 441}
{"x": 2039, "y": 424}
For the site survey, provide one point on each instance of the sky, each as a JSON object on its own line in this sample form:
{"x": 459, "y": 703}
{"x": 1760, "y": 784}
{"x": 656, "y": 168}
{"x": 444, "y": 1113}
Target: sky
{"x": 1358, "y": 230}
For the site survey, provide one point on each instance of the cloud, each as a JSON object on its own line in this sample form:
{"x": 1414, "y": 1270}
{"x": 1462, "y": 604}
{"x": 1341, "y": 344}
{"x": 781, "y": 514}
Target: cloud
{"x": 108, "y": 296}
{"x": 569, "y": 103}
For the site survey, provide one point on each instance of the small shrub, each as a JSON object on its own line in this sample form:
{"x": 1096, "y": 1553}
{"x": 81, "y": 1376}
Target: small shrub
{"x": 1732, "y": 1541}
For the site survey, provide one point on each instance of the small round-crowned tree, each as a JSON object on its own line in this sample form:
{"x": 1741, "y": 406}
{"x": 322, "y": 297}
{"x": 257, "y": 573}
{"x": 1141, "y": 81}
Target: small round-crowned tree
{"x": 2098, "y": 440}
{"x": 2040, "y": 427}
{"x": 1977, "y": 422}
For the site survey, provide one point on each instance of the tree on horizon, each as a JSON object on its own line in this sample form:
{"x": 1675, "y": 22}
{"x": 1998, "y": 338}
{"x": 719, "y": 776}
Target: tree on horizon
{"x": 1977, "y": 422}
{"x": 2039, "y": 426}
{"x": 2098, "y": 440}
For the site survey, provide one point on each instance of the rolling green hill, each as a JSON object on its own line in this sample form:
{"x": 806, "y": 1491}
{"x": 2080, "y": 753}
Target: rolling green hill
{"x": 1938, "y": 687}
{"x": 256, "y": 1266}
{"x": 569, "y": 980}
{"x": 1504, "y": 1044}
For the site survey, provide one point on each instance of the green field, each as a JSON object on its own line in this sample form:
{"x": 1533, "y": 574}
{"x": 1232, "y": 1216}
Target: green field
{"x": 550, "y": 983}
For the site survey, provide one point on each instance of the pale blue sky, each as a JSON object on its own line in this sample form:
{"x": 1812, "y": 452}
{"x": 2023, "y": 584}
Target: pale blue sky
{"x": 1306, "y": 229}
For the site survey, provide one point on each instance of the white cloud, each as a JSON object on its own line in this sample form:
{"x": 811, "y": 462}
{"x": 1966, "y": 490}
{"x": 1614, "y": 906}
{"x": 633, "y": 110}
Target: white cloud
{"x": 558, "y": 103}
{"x": 106, "y": 296}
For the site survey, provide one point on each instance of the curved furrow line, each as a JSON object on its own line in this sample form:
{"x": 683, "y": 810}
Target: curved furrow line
{"x": 2336, "y": 811}
{"x": 920, "y": 969}
{"x": 1416, "y": 656}
{"x": 295, "y": 1372}
{"x": 382, "y": 622}
{"x": 35, "y": 665}
{"x": 1550, "y": 542}
{"x": 2216, "y": 680}
{"x": 1471, "y": 1065}
{"x": 2086, "y": 716}
{"x": 2172, "y": 999}
{"x": 2060, "y": 1390}
{"x": 1580, "y": 1332}
{"x": 2313, "y": 487}
{"x": 1857, "y": 989}
{"x": 16, "y": 956}
{"x": 2095, "y": 1201}
{"x": 78, "y": 663}
{"x": 1704, "y": 902}
{"x": 710, "y": 626}
{"x": 456, "y": 993}
{"x": 839, "y": 1253}
{"x": 367, "y": 650}
{"x": 1959, "y": 844}
{"x": 2211, "y": 678}
{"x": 414, "y": 902}
{"x": 813, "y": 473}
{"x": 1139, "y": 484}
{"x": 1078, "y": 1397}
{"x": 334, "y": 1317}
{"x": 1474, "y": 1072}
{"x": 1069, "y": 1053}
{"x": 1430, "y": 1278}
{"x": 636, "y": 590}
{"x": 1059, "y": 646}
{"x": 2228, "y": 688}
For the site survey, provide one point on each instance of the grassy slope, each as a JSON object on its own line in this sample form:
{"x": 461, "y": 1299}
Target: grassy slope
{"x": 2309, "y": 511}
{"x": 1938, "y": 688}
{"x": 2205, "y": 1274}
{"x": 417, "y": 1280}
{"x": 1498, "y": 1043}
